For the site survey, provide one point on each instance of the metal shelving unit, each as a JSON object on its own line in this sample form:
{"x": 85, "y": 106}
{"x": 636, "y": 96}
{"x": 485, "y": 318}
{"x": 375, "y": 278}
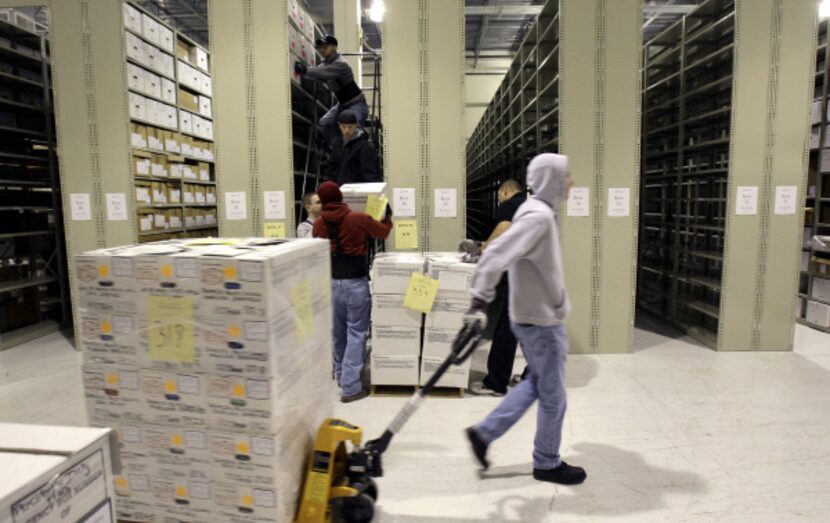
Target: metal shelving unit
{"x": 521, "y": 121}
{"x": 817, "y": 204}
{"x": 687, "y": 99}
{"x": 182, "y": 216}
{"x": 33, "y": 290}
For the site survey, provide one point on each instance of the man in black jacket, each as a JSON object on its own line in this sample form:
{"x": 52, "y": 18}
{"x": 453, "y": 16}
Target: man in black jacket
{"x": 356, "y": 160}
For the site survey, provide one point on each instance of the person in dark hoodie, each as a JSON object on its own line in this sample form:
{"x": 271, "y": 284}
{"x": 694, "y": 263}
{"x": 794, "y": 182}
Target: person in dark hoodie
{"x": 356, "y": 160}
{"x": 530, "y": 253}
{"x": 348, "y": 232}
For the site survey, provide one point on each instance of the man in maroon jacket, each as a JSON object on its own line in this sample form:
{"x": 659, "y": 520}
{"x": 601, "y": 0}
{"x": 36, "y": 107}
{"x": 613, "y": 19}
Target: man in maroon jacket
{"x": 348, "y": 232}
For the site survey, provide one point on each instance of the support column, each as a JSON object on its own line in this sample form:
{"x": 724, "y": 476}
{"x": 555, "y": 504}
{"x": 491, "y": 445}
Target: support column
{"x": 600, "y": 62}
{"x": 773, "y": 89}
{"x": 349, "y": 34}
{"x": 252, "y": 107}
{"x": 423, "y": 111}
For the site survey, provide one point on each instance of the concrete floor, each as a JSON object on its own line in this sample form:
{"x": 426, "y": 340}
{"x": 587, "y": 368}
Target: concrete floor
{"x": 672, "y": 432}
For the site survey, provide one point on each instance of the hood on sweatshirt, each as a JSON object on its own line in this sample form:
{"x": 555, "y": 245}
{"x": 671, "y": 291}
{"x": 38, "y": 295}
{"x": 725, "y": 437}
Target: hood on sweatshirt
{"x": 335, "y": 212}
{"x": 547, "y": 176}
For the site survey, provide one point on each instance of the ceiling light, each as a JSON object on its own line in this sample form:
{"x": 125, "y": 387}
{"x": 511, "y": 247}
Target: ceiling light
{"x": 378, "y": 9}
{"x": 824, "y": 9}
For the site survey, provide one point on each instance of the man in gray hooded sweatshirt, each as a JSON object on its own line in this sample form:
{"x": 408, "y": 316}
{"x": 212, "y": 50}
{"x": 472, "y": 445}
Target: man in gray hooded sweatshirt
{"x": 530, "y": 253}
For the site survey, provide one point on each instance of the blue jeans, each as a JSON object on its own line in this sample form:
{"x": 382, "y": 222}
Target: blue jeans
{"x": 351, "y": 305}
{"x": 331, "y": 132}
{"x": 546, "y": 349}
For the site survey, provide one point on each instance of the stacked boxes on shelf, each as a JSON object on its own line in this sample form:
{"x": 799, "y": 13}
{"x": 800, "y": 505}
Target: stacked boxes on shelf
{"x": 205, "y": 359}
{"x": 447, "y": 317}
{"x": 396, "y": 330}
{"x": 813, "y": 302}
{"x": 169, "y": 83}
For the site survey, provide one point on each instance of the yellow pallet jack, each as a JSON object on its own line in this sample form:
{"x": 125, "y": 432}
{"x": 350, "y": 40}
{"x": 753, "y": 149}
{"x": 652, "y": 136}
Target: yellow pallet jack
{"x": 338, "y": 486}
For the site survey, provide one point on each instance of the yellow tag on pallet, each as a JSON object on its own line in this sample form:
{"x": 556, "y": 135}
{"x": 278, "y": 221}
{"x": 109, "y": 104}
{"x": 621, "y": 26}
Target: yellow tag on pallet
{"x": 376, "y": 206}
{"x": 406, "y": 235}
{"x": 171, "y": 329}
{"x": 421, "y": 293}
{"x": 274, "y": 229}
{"x": 303, "y": 311}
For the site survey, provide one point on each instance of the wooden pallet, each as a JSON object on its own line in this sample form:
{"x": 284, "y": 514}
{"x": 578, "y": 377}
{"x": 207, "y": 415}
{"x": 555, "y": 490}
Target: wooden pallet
{"x": 393, "y": 390}
{"x": 447, "y": 392}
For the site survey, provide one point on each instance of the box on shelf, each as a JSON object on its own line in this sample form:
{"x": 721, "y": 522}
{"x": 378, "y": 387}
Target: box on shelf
{"x": 132, "y": 18}
{"x": 185, "y": 122}
{"x": 150, "y": 29}
{"x": 199, "y": 57}
{"x": 166, "y": 39}
{"x": 818, "y": 313}
{"x": 57, "y": 473}
{"x": 182, "y": 50}
{"x": 142, "y": 166}
{"x": 138, "y": 135}
{"x": 188, "y": 100}
{"x": 135, "y": 48}
{"x": 389, "y": 340}
{"x": 821, "y": 267}
{"x": 821, "y": 289}
{"x": 176, "y": 169}
{"x": 155, "y": 138}
{"x": 394, "y": 370}
{"x": 172, "y": 142}
{"x": 205, "y": 108}
{"x": 391, "y": 272}
{"x": 138, "y": 106}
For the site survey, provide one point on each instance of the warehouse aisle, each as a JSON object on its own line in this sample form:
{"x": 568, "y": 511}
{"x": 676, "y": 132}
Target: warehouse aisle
{"x": 673, "y": 432}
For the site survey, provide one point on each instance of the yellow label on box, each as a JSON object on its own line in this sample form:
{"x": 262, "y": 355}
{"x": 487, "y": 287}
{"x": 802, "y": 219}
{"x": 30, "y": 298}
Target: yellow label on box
{"x": 406, "y": 235}
{"x": 171, "y": 329}
{"x": 274, "y": 229}
{"x": 376, "y": 206}
{"x": 420, "y": 295}
{"x": 301, "y": 300}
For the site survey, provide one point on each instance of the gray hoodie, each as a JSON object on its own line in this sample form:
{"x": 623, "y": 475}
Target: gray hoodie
{"x": 530, "y": 252}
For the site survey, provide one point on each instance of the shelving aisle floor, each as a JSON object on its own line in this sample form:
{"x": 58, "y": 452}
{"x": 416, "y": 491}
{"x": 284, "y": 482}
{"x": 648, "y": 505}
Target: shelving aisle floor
{"x": 673, "y": 432}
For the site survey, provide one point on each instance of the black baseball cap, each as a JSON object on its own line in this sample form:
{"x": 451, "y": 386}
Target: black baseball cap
{"x": 326, "y": 40}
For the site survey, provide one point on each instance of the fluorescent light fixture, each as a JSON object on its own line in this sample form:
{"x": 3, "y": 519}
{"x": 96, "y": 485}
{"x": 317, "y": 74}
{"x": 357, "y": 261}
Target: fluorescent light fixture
{"x": 824, "y": 9}
{"x": 378, "y": 9}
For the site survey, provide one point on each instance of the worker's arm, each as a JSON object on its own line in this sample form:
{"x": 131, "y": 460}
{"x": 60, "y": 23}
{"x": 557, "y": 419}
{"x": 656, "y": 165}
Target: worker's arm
{"x": 328, "y": 72}
{"x": 504, "y": 251}
{"x": 375, "y": 229}
{"x": 370, "y": 164}
{"x": 500, "y": 229}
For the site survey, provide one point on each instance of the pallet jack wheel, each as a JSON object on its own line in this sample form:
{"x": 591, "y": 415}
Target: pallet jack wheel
{"x": 366, "y": 485}
{"x": 353, "y": 509}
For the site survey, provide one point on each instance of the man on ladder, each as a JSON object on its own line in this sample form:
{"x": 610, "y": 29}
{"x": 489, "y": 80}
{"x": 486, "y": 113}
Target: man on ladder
{"x": 338, "y": 75}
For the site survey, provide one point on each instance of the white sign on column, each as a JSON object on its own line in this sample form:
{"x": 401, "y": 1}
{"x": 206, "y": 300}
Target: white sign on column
{"x": 445, "y": 205}
{"x": 619, "y": 202}
{"x": 274, "y": 205}
{"x": 81, "y": 208}
{"x": 785, "y": 199}
{"x": 116, "y": 207}
{"x": 746, "y": 200}
{"x": 236, "y": 207}
{"x": 578, "y": 202}
{"x": 404, "y": 202}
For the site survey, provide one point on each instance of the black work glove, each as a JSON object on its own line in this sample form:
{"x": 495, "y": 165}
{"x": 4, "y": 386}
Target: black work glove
{"x": 388, "y": 211}
{"x": 300, "y": 68}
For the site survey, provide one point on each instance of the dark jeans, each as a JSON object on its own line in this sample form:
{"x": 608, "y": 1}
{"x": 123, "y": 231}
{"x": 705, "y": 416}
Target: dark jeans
{"x": 503, "y": 350}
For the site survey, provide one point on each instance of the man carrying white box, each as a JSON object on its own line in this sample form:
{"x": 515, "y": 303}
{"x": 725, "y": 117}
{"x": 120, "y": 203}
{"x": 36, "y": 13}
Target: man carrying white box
{"x": 529, "y": 251}
{"x": 348, "y": 232}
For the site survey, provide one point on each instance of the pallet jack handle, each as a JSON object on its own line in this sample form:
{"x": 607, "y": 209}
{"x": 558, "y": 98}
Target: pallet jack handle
{"x": 465, "y": 344}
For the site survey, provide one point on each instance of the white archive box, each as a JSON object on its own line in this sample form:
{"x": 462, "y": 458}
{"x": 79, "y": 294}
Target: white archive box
{"x": 448, "y": 311}
{"x": 457, "y": 376}
{"x": 389, "y": 340}
{"x": 821, "y": 288}
{"x": 113, "y": 394}
{"x": 356, "y": 194}
{"x": 167, "y": 41}
{"x": 388, "y": 310}
{"x": 394, "y": 370}
{"x": 818, "y": 313}
{"x": 138, "y": 106}
{"x": 438, "y": 341}
{"x": 150, "y": 29}
{"x": 453, "y": 276}
{"x": 174, "y": 398}
{"x": 391, "y": 272}
{"x": 132, "y": 18}
{"x": 57, "y": 474}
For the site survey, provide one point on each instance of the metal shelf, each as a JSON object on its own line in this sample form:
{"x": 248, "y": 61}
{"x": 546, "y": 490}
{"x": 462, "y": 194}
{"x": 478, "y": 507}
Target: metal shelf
{"x": 8, "y": 286}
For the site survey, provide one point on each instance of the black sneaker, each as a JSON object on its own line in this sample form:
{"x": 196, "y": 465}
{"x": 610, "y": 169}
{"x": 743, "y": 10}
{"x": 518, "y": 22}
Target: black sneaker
{"x": 479, "y": 447}
{"x": 564, "y": 474}
{"x": 354, "y": 397}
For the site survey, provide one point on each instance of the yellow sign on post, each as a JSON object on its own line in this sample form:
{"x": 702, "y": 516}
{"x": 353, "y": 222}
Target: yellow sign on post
{"x": 303, "y": 311}
{"x": 274, "y": 229}
{"x": 376, "y": 206}
{"x": 406, "y": 235}
{"x": 170, "y": 332}
{"x": 420, "y": 295}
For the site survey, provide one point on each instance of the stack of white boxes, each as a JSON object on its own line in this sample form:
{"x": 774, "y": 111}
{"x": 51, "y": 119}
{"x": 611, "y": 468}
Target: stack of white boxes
{"x": 447, "y": 317}
{"x": 357, "y": 194}
{"x": 206, "y": 360}
{"x": 396, "y": 330}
